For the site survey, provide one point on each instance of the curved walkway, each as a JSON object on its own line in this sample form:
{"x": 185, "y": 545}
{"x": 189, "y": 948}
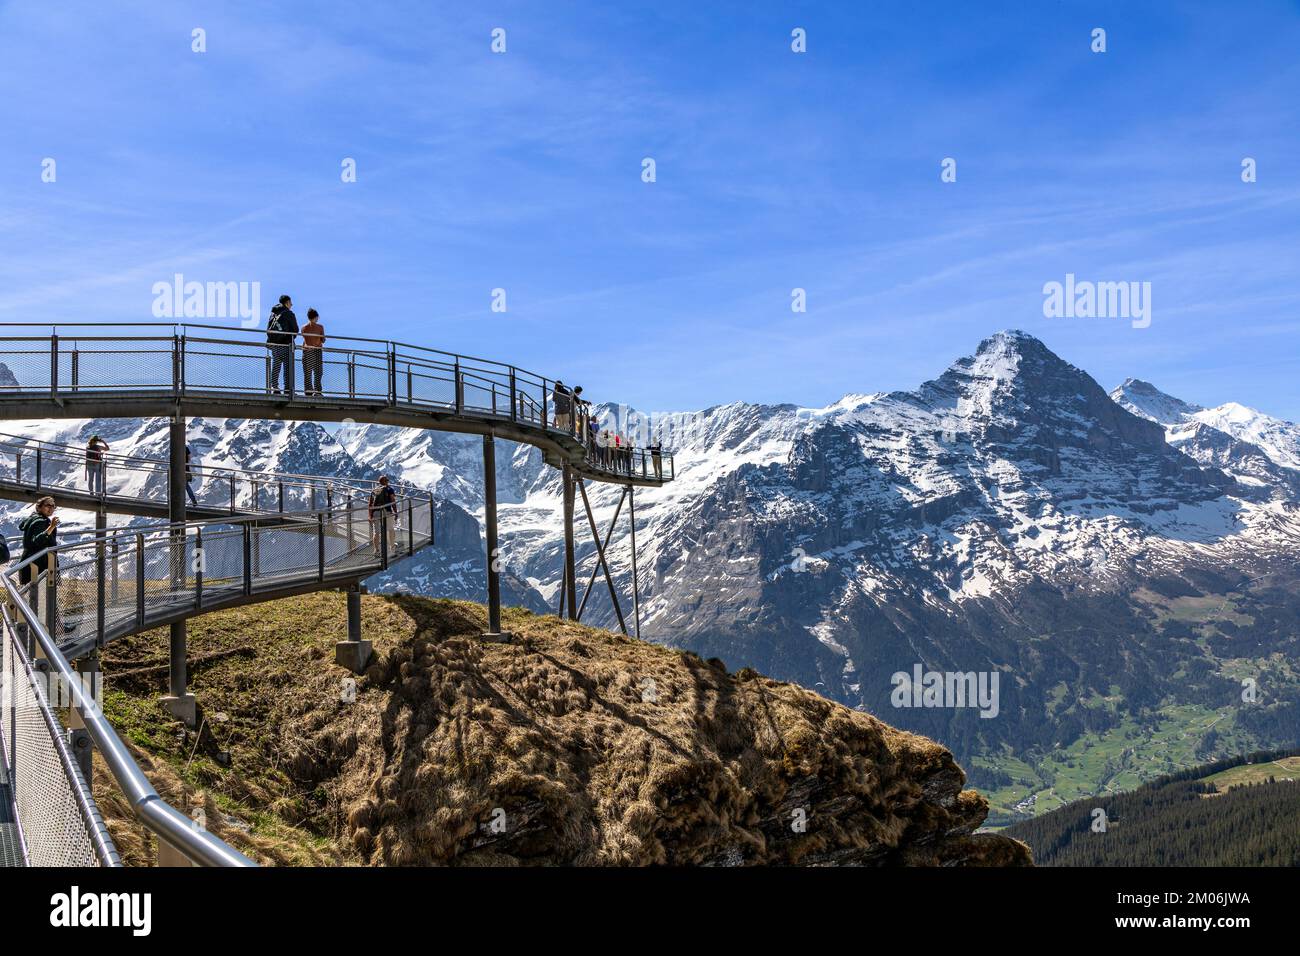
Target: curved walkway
{"x": 137, "y": 486}
{"x": 219, "y": 372}
{"x": 114, "y": 584}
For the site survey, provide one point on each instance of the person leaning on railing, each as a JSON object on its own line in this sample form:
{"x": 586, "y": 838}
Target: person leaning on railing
{"x": 383, "y": 516}
{"x": 313, "y": 356}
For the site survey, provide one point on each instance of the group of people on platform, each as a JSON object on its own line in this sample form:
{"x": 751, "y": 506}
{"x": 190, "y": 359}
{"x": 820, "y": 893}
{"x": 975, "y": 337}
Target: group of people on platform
{"x": 281, "y": 332}
{"x": 607, "y": 448}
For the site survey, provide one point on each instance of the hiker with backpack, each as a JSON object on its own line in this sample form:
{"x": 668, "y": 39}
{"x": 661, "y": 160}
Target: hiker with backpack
{"x": 281, "y": 329}
{"x": 95, "y": 464}
{"x": 382, "y": 512}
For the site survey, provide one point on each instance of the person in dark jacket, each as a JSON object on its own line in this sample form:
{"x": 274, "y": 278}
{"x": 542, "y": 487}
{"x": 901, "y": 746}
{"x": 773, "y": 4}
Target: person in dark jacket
{"x": 563, "y": 401}
{"x": 40, "y": 531}
{"x": 281, "y": 330}
{"x": 189, "y": 478}
{"x": 95, "y": 464}
{"x": 383, "y": 516}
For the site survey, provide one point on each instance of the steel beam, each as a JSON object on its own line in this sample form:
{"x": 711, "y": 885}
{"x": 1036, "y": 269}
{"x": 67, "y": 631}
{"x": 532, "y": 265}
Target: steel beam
{"x": 570, "y": 584}
{"x": 178, "y": 702}
{"x": 600, "y": 559}
{"x": 490, "y": 529}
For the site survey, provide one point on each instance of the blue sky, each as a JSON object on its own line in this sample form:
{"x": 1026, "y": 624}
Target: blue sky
{"x": 775, "y": 170}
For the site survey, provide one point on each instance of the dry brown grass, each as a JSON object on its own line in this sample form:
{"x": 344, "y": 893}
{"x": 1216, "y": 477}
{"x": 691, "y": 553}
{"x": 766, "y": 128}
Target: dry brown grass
{"x": 553, "y": 736}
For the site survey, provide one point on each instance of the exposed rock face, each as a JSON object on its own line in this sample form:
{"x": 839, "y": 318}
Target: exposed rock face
{"x": 600, "y": 750}
{"x": 570, "y": 746}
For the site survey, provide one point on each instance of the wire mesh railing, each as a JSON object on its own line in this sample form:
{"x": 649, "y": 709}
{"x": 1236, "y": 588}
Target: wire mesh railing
{"x": 47, "y": 467}
{"x": 76, "y": 597}
{"x": 203, "y": 359}
{"x": 104, "y": 586}
{"x": 58, "y": 822}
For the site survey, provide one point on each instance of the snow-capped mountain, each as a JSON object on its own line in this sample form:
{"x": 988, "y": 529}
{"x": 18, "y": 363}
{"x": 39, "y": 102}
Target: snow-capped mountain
{"x": 1115, "y": 559}
{"x": 1008, "y": 516}
{"x": 1257, "y": 449}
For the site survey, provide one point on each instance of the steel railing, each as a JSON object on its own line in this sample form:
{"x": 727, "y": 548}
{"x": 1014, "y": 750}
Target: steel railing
{"x": 206, "y": 359}
{"x": 74, "y": 598}
{"x": 52, "y": 467}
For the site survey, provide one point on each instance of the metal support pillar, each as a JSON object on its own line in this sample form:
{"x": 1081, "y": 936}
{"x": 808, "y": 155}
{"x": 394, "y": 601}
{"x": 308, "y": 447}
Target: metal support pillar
{"x": 83, "y": 749}
{"x": 354, "y": 653}
{"x": 178, "y": 702}
{"x": 490, "y": 528}
{"x": 101, "y": 573}
{"x": 570, "y": 584}
{"x": 636, "y": 585}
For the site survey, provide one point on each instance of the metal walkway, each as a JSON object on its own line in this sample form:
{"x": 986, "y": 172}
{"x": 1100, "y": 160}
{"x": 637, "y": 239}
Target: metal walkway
{"x": 11, "y": 850}
{"x": 109, "y": 585}
{"x": 113, "y": 370}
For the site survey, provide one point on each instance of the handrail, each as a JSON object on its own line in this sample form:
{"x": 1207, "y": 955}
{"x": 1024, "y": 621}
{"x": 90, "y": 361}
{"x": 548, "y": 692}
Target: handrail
{"x": 239, "y": 479}
{"x": 167, "y": 822}
{"x": 373, "y": 372}
{"x": 308, "y": 565}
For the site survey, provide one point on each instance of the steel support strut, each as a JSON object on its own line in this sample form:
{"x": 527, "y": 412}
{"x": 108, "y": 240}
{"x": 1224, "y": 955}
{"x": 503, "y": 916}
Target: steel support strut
{"x": 636, "y": 586}
{"x": 490, "y": 528}
{"x": 596, "y": 570}
{"x": 178, "y": 702}
{"x": 570, "y": 584}
{"x": 601, "y": 563}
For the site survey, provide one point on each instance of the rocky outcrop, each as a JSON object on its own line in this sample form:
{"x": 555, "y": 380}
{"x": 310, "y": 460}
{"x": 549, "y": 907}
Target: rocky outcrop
{"x": 568, "y": 746}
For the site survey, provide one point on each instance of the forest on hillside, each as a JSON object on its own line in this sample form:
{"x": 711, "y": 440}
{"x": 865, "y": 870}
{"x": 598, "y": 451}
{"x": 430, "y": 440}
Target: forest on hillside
{"x": 1180, "y": 820}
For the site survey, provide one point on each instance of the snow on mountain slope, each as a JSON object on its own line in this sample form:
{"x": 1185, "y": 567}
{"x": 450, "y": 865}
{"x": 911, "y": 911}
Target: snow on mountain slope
{"x": 1262, "y": 452}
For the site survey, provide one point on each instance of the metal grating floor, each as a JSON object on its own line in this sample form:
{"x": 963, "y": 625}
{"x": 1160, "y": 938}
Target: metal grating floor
{"x": 10, "y": 852}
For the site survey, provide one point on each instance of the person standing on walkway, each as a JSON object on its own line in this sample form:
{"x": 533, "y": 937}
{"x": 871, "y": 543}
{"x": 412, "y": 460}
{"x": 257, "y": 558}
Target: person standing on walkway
{"x": 281, "y": 330}
{"x": 562, "y": 399}
{"x": 656, "y": 459}
{"x": 383, "y": 516}
{"x": 40, "y": 531}
{"x": 580, "y": 410}
{"x": 95, "y": 464}
{"x": 189, "y": 478}
{"x": 313, "y": 356}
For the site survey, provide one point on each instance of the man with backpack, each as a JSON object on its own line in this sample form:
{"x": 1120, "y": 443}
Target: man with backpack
{"x": 281, "y": 329}
{"x": 383, "y": 516}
